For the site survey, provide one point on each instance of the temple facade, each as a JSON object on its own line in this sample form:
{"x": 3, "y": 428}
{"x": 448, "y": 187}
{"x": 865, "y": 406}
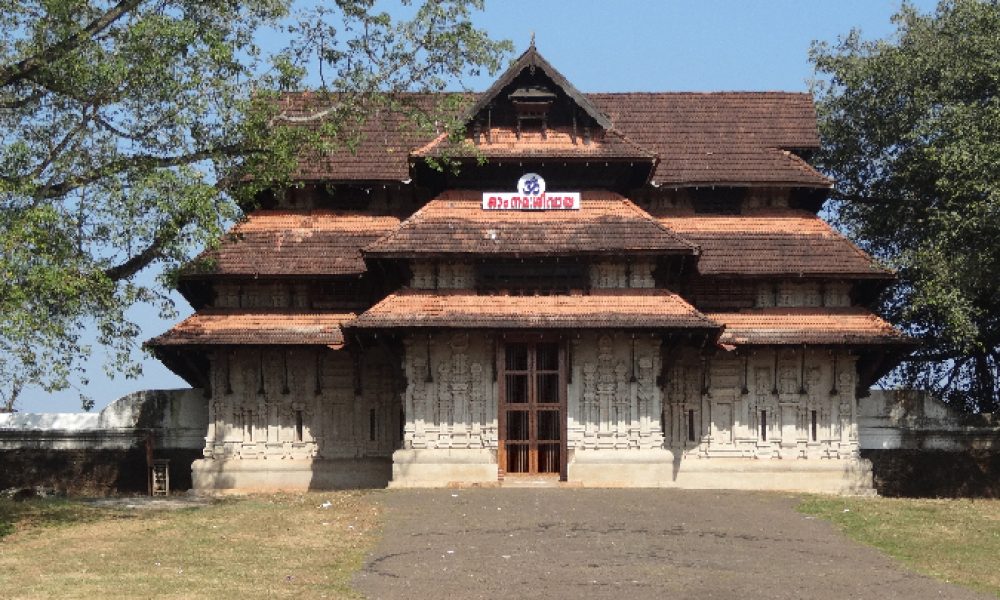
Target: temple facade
{"x": 612, "y": 289}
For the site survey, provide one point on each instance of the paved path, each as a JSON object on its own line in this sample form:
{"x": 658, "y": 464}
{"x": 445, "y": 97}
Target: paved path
{"x": 623, "y": 544}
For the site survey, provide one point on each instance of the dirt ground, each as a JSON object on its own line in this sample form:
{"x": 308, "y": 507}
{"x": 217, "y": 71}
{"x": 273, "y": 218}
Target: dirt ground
{"x": 623, "y": 544}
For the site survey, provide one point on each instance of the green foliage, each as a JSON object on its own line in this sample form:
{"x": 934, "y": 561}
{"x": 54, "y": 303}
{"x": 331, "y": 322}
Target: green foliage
{"x": 132, "y": 133}
{"x": 955, "y": 541}
{"x": 294, "y": 549}
{"x": 911, "y": 134}
{"x": 48, "y": 512}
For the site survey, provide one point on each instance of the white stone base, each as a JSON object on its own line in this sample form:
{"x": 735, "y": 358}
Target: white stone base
{"x": 658, "y": 468}
{"x": 592, "y": 468}
{"x": 443, "y": 468}
{"x": 273, "y": 475}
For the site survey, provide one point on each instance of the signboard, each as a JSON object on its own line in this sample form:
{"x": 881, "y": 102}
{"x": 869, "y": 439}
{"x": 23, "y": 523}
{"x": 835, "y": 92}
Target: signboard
{"x": 531, "y": 195}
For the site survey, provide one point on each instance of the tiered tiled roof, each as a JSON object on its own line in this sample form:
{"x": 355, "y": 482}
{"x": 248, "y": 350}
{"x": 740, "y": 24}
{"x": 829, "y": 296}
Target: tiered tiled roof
{"x": 455, "y": 223}
{"x": 282, "y": 242}
{"x": 729, "y": 138}
{"x": 557, "y": 143}
{"x": 379, "y": 149}
{"x": 242, "y": 327}
{"x": 824, "y": 326}
{"x": 775, "y": 242}
{"x": 641, "y": 309}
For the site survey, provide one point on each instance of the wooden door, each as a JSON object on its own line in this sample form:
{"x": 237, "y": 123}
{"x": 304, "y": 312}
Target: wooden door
{"x": 532, "y": 419}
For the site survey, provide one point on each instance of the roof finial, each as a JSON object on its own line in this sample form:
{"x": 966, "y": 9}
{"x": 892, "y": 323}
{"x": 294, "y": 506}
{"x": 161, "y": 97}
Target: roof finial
{"x": 532, "y": 39}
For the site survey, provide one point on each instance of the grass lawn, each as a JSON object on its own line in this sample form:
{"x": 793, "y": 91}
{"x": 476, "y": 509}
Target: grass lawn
{"x": 267, "y": 546}
{"x": 957, "y": 541}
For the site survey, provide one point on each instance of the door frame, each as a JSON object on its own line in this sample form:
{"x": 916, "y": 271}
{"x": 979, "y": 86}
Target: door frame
{"x": 500, "y": 356}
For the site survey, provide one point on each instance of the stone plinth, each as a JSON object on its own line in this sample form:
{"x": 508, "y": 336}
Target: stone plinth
{"x": 660, "y": 468}
{"x": 441, "y": 468}
{"x": 274, "y": 475}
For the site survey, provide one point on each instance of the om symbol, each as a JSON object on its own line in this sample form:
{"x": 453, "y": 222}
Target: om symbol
{"x": 531, "y": 184}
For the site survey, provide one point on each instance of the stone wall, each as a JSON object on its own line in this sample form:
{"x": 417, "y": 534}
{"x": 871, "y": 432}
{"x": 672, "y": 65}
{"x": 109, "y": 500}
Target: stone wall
{"x": 633, "y": 420}
{"x": 92, "y": 472}
{"x": 919, "y": 446}
{"x": 104, "y": 453}
{"x": 299, "y": 403}
{"x": 301, "y": 417}
{"x": 450, "y": 398}
{"x": 614, "y": 402}
{"x": 766, "y": 403}
{"x": 915, "y": 420}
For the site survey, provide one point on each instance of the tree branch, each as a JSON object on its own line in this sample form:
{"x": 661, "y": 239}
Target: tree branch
{"x": 26, "y": 67}
{"x": 22, "y": 102}
{"x": 136, "y": 263}
{"x": 140, "y": 161}
{"x": 60, "y": 146}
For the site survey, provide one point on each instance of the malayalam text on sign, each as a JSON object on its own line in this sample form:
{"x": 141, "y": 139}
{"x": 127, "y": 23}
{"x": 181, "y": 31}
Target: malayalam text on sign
{"x": 515, "y": 201}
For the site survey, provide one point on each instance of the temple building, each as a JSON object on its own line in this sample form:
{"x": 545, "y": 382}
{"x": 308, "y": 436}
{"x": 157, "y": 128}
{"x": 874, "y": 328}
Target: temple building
{"x": 613, "y": 289}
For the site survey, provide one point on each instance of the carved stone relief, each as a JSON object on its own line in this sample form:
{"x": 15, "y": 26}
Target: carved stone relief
{"x": 300, "y": 404}
{"x": 454, "y": 407}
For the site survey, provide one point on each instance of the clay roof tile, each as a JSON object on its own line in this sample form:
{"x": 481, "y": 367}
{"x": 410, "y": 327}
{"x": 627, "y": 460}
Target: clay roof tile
{"x": 284, "y": 242}
{"x": 245, "y": 327}
{"x": 633, "y": 308}
{"x": 796, "y": 326}
{"x": 773, "y": 242}
{"x": 455, "y": 223}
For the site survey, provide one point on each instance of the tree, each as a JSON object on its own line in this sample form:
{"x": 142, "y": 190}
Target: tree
{"x": 126, "y": 125}
{"x": 911, "y": 135}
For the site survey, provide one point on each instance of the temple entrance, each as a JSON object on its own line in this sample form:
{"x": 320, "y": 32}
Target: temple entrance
{"x": 532, "y": 419}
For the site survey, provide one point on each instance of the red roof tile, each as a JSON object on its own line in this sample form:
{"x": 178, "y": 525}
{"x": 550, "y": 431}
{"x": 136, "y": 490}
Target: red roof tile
{"x": 827, "y": 326}
{"x": 455, "y": 223}
{"x": 646, "y": 309}
{"x": 281, "y": 242}
{"x": 776, "y": 242}
{"x": 720, "y": 138}
{"x": 378, "y": 149}
{"x": 760, "y": 167}
{"x": 728, "y": 138}
{"x": 241, "y": 327}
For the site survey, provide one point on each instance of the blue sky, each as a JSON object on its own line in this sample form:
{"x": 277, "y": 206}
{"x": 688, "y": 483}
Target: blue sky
{"x": 611, "y": 46}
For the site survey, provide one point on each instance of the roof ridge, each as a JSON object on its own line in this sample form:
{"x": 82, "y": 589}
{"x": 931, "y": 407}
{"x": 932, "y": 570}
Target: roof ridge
{"x": 805, "y": 164}
{"x": 670, "y": 232}
{"x": 402, "y": 223}
{"x": 614, "y": 130}
{"x": 533, "y": 59}
{"x": 833, "y": 230}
